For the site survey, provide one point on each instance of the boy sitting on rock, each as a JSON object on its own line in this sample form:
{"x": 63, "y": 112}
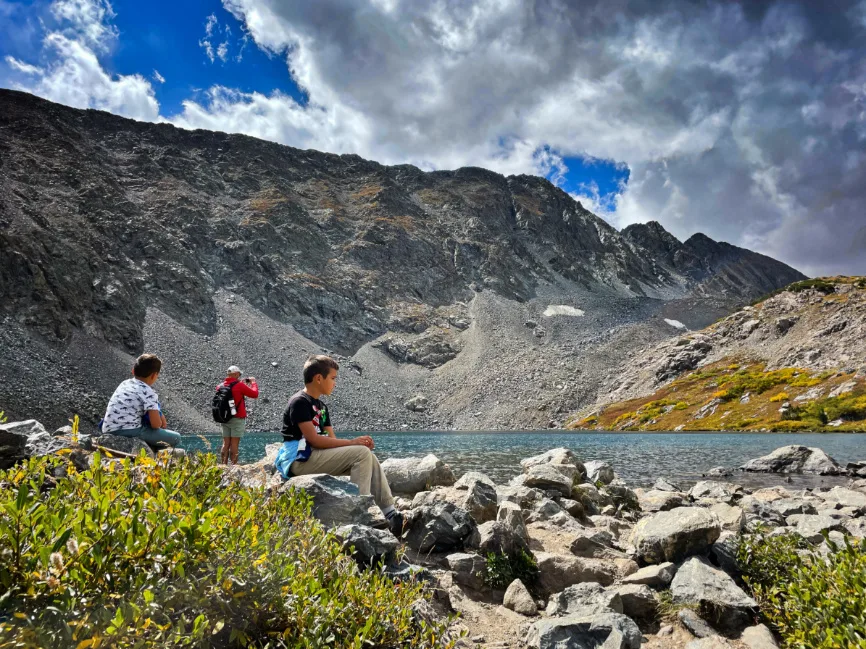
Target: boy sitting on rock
{"x": 135, "y": 399}
{"x": 310, "y": 446}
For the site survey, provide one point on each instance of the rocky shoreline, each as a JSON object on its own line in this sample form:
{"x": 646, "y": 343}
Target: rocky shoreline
{"x": 611, "y": 566}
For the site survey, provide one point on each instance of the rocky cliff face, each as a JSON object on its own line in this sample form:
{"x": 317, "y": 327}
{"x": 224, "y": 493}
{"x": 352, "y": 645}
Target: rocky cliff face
{"x": 107, "y": 225}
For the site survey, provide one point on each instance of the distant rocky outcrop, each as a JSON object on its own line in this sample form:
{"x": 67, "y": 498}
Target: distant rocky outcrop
{"x": 119, "y": 235}
{"x": 793, "y": 361}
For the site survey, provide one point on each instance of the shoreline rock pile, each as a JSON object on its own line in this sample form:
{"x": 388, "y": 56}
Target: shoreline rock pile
{"x": 611, "y": 560}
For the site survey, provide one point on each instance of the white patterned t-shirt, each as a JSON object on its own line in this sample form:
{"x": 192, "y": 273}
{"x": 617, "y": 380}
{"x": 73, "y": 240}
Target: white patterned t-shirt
{"x": 127, "y": 405}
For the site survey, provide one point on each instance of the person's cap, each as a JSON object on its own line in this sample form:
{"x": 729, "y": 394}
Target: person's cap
{"x": 234, "y": 369}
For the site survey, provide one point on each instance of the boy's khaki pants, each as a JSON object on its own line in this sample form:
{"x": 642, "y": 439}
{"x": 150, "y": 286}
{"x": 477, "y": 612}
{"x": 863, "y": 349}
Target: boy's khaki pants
{"x": 357, "y": 462}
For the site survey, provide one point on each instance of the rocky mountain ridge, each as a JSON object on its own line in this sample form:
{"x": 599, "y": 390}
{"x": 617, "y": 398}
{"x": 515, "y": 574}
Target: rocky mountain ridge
{"x": 109, "y": 225}
{"x": 794, "y": 361}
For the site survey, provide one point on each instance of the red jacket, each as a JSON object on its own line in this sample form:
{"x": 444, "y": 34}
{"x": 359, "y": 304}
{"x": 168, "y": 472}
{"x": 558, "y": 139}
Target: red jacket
{"x": 240, "y": 391}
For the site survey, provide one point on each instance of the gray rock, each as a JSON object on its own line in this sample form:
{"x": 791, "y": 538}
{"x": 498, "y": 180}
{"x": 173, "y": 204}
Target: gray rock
{"x": 856, "y": 469}
{"x": 62, "y": 431}
{"x": 479, "y": 499}
{"x": 20, "y": 440}
{"x": 408, "y": 572}
{"x": 565, "y": 460}
{"x": 418, "y": 403}
{"x": 675, "y": 534}
{"x": 599, "y": 471}
{"x": 795, "y": 459}
{"x": 510, "y": 515}
{"x": 638, "y": 601}
{"x": 371, "y": 546}
{"x": 544, "y": 510}
{"x": 719, "y": 472}
{"x": 411, "y": 475}
{"x": 694, "y": 624}
{"x": 518, "y": 599}
{"x": 790, "y": 506}
{"x": 522, "y": 496}
{"x": 468, "y": 569}
{"x": 665, "y": 485}
{"x": 724, "y": 552}
{"x": 466, "y": 480}
{"x": 607, "y": 630}
{"x": 499, "y": 538}
{"x": 698, "y": 582}
{"x": 719, "y": 491}
{"x": 811, "y": 526}
{"x": 573, "y": 507}
{"x": 439, "y": 528}
{"x": 841, "y": 497}
{"x": 656, "y": 500}
{"x": 732, "y": 519}
{"x": 129, "y": 445}
{"x": 547, "y": 476}
{"x": 656, "y": 576}
{"x": 588, "y": 597}
{"x": 335, "y": 502}
{"x": 559, "y": 571}
{"x": 623, "y": 497}
{"x": 759, "y": 637}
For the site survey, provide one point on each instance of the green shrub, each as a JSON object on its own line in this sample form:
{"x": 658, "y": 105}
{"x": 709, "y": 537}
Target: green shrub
{"x": 502, "y": 569}
{"x": 810, "y": 600}
{"x": 144, "y": 554}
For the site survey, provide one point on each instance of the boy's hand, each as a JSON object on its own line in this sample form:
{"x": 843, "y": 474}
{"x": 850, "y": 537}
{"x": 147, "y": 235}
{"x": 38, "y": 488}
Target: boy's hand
{"x": 164, "y": 422}
{"x": 365, "y": 440}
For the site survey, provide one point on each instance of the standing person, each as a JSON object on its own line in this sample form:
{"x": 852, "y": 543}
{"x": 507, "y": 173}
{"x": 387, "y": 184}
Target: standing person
{"x": 310, "y": 445}
{"x": 233, "y": 429}
{"x": 133, "y": 410}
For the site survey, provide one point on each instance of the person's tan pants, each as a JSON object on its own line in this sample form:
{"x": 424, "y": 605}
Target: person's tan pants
{"x": 357, "y": 462}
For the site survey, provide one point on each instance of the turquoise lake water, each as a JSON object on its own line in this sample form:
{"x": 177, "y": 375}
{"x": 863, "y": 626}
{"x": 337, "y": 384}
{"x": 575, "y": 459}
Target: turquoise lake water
{"x": 639, "y": 458}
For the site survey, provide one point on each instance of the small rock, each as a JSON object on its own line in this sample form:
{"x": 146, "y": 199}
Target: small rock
{"x": 656, "y": 576}
{"x": 698, "y": 582}
{"x": 759, "y": 637}
{"x": 695, "y": 624}
{"x": 518, "y": 599}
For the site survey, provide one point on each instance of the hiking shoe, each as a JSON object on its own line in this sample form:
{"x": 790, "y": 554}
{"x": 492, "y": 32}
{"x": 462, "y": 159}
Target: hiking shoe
{"x": 395, "y": 524}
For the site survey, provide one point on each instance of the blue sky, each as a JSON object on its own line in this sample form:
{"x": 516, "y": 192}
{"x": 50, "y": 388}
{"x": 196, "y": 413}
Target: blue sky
{"x": 741, "y": 119}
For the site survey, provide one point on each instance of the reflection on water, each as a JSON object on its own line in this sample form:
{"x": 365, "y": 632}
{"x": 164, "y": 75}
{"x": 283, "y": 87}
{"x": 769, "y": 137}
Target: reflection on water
{"x": 639, "y": 458}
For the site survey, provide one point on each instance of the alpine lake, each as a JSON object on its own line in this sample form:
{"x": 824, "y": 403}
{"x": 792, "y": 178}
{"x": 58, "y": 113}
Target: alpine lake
{"x": 638, "y": 458}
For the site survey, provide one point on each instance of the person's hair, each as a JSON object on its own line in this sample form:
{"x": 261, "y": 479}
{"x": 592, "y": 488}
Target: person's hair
{"x": 318, "y": 365}
{"x": 145, "y": 365}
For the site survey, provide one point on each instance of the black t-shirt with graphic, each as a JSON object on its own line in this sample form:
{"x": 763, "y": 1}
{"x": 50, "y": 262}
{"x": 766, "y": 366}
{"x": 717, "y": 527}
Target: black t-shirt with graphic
{"x": 302, "y": 407}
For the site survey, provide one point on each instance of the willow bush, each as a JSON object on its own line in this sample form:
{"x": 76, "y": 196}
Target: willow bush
{"x": 148, "y": 554}
{"x": 812, "y": 601}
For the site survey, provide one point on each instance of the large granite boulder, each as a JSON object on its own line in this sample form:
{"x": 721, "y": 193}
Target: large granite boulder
{"x": 587, "y": 597}
{"x": 599, "y": 471}
{"x": 585, "y": 631}
{"x": 440, "y": 527}
{"x": 128, "y": 445}
{"x": 724, "y": 604}
{"x": 674, "y": 535}
{"x": 559, "y": 457}
{"x": 335, "y": 501}
{"x": 20, "y": 440}
{"x": 510, "y": 515}
{"x": 795, "y": 459}
{"x": 519, "y": 599}
{"x": 546, "y": 477}
{"x": 557, "y": 572}
{"x": 409, "y": 475}
{"x": 470, "y": 477}
{"x": 369, "y": 546}
{"x": 478, "y": 499}
{"x": 717, "y": 491}
{"x": 813, "y": 526}
{"x": 656, "y": 500}
{"x": 731, "y": 518}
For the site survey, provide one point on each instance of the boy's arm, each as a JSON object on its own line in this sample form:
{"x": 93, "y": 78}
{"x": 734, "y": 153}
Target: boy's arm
{"x": 330, "y": 431}
{"x": 156, "y": 419}
{"x": 324, "y": 441}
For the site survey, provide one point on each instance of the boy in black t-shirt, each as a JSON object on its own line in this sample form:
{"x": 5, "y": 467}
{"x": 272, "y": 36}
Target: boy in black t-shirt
{"x": 310, "y": 446}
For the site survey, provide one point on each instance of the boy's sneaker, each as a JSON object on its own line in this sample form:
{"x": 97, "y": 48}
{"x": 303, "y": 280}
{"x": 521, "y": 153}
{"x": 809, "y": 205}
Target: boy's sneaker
{"x": 395, "y": 523}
